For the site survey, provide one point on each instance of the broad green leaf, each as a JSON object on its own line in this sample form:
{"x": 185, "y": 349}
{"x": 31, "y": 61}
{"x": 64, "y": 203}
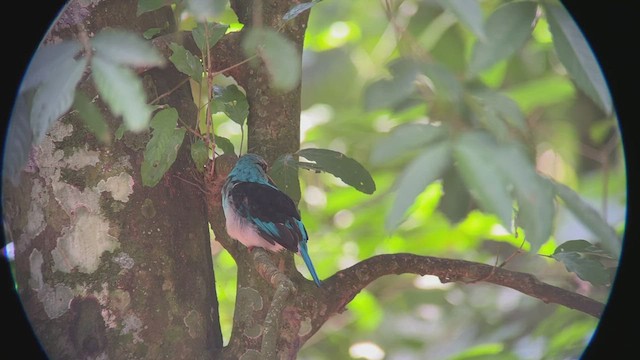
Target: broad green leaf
{"x": 298, "y": 9}
{"x": 387, "y": 93}
{"x": 445, "y": 82}
{"x": 125, "y": 48}
{"x": 348, "y": 170}
{"x": 475, "y": 155}
{"x": 590, "y": 218}
{"x": 92, "y": 117}
{"x": 186, "y": 62}
{"x": 404, "y": 138}
{"x": 151, "y": 32}
{"x": 46, "y": 62}
{"x": 225, "y": 144}
{"x": 584, "y": 259}
{"x": 576, "y": 56}
{"x": 507, "y": 29}
{"x": 284, "y": 173}
{"x": 535, "y": 195}
{"x": 162, "y": 149}
{"x": 150, "y": 5}
{"x": 199, "y": 154}
{"x": 541, "y": 92}
{"x": 469, "y": 13}
{"x": 206, "y": 35}
{"x": 122, "y": 90}
{"x": 502, "y": 106}
{"x": 278, "y": 54}
{"x": 427, "y": 167}
{"x": 55, "y": 95}
{"x": 203, "y": 9}
{"x": 234, "y": 103}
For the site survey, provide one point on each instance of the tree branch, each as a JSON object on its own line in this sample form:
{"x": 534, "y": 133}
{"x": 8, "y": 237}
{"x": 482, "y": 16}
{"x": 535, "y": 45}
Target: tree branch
{"x": 346, "y": 284}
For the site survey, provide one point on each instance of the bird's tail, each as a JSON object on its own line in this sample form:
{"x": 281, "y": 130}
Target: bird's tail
{"x": 307, "y": 260}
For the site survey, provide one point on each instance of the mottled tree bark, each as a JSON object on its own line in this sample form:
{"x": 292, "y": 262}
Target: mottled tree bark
{"x": 106, "y": 267}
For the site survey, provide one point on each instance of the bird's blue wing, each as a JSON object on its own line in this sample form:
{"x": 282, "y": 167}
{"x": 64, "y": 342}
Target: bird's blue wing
{"x": 272, "y": 212}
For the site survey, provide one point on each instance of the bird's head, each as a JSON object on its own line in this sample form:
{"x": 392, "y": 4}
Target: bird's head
{"x": 250, "y": 167}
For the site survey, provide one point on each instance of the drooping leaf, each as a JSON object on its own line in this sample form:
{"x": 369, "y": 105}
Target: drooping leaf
{"x": 150, "y": 5}
{"x": 199, "y": 154}
{"x": 278, "y": 54}
{"x": 186, "y": 62}
{"x": 584, "y": 259}
{"x": 92, "y": 117}
{"x": 590, "y": 218}
{"x": 347, "y": 169}
{"x": 125, "y": 48}
{"x": 284, "y": 173}
{"x": 206, "y": 35}
{"x": 475, "y": 153}
{"x": 234, "y": 103}
{"x": 55, "y": 95}
{"x": 387, "y": 93}
{"x": 46, "y": 59}
{"x": 469, "y": 13}
{"x": 427, "y": 167}
{"x": 203, "y": 9}
{"x": 404, "y": 138}
{"x": 162, "y": 148}
{"x": 19, "y": 139}
{"x": 298, "y": 9}
{"x": 122, "y": 90}
{"x": 225, "y": 144}
{"x": 576, "y": 56}
{"x": 507, "y": 29}
{"x": 535, "y": 195}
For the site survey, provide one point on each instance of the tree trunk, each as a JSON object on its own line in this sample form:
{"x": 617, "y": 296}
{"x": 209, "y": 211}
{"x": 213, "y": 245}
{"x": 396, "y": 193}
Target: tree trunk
{"x": 105, "y": 267}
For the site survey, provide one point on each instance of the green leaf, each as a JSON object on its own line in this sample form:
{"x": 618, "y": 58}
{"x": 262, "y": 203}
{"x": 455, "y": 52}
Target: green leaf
{"x": 445, "y": 82}
{"x": 427, "y": 167}
{"x": 55, "y": 95}
{"x": 584, "y": 259}
{"x": 206, "y": 35}
{"x": 298, "y": 9}
{"x": 162, "y": 149}
{"x": 502, "y": 106}
{"x": 203, "y": 9}
{"x": 341, "y": 166}
{"x": 46, "y": 59}
{"x": 278, "y": 54}
{"x": 475, "y": 155}
{"x": 576, "y": 56}
{"x": 125, "y": 48}
{"x": 225, "y": 144}
{"x": 186, "y": 62}
{"x": 404, "y": 138}
{"x": 150, "y": 5}
{"x": 469, "y": 13}
{"x": 151, "y": 32}
{"x": 92, "y": 117}
{"x": 507, "y": 30}
{"x": 387, "y": 93}
{"x": 541, "y": 92}
{"x": 535, "y": 194}
{"x": 199, "y": 154}
{"x": 590, "y": 218}
{"x": 122, "y": 90}
{"x": 284, "y": 173}
{"x": 234, "y": 102}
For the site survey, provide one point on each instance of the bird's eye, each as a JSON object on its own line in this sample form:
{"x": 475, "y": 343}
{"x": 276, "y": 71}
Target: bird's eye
{"x": 263, "y": 165}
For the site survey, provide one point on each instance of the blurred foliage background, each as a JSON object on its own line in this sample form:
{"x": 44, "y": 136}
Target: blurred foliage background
{"x": 571, "y": 136}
